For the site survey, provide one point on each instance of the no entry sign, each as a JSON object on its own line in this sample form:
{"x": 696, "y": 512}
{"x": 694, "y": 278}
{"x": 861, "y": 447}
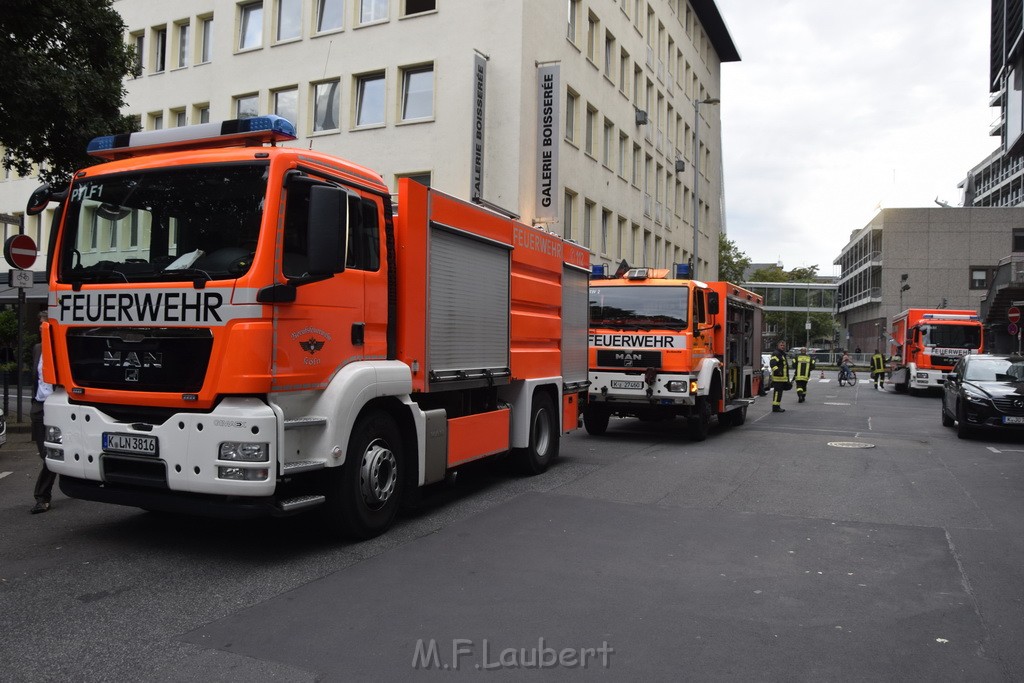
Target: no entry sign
{"x": 20, "y": 251}
{"x": 1013, "y": 315}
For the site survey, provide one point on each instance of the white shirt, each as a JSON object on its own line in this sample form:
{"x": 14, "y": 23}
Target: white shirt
{"x": 44, "y": 389}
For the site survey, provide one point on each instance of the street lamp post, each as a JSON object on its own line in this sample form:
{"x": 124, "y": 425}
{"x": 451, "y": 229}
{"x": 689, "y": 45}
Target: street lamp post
{"x": 696, "y": 176}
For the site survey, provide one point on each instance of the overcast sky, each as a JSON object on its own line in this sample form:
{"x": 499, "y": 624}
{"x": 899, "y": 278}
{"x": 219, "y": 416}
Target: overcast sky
{"x": 841, "y": 107}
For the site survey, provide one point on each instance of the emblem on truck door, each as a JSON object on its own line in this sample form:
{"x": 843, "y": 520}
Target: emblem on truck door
{"x": 312, "y": 345}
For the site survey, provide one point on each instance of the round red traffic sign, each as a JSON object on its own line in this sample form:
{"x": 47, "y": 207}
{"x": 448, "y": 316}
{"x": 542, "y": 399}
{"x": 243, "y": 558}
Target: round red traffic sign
{"x": 20, "y": 251}
{"x": 1013, "y": 315}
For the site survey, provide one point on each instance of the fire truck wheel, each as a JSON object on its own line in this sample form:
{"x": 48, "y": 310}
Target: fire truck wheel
{"x": 733, "y": 418}
{"x": 544, "y": 434}
{"x": 701, "y": 420}
{"x": 367, "y": 492}
{"x": 595, "y": 420}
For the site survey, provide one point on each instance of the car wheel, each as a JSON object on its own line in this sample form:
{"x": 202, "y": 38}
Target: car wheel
{"x": 963, "y": 430}
{"x": 947, "y": 420}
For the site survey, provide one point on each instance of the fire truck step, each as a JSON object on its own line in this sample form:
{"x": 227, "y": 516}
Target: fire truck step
{"x": 300, "y": 503}
{"x": 302, "y": 466}
{"x": 299, "y": 422}
{"x": 737, "y": 402}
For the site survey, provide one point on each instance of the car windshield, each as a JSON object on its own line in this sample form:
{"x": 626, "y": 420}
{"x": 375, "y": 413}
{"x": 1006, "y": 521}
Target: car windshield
{"x": 953, "y": 336}
{"x": 994, "y": 370}
{"x": 639, "y": 307}
{"x": 165, "y": 224}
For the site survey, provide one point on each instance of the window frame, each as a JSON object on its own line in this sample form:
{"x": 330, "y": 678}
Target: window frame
{"x": 408, "y": 73}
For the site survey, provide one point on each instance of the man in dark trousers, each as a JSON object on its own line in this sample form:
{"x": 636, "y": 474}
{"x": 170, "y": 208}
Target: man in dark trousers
{"x": 40, "y": 390}
{"x": 780, "y": 375}
{"x": 804, "y": 365}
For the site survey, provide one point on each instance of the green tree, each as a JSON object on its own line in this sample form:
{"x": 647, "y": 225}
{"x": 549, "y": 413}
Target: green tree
{"x": 731, "y": 261}
{"x": 769, "y": 274}
{"x": 63, "y": 64}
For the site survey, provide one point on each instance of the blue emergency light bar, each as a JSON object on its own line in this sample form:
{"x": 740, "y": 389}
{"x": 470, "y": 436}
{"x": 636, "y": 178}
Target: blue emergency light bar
{"x": 682, "y": 271}
{"x": 599, "y": 270}
{"x": 255, "y": 130}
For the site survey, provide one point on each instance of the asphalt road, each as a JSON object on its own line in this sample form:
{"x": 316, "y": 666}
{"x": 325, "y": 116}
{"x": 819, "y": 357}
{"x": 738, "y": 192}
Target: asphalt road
{"x": 851, "y": 537}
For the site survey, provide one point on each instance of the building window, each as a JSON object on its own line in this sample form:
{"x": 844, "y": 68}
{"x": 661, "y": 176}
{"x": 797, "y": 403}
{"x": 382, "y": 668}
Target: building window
{"x": 567, "y": 214}
{"x": 289, "y": 19}
{"x": 286, "y": 104}
{"x": 570, "y": 31}
{"x": 623, "y": 152}
{"x": 417, "y": 93}
{"x": 609, "y": 142}
{"x": 201, "y": 113}
{"x": 370, "y": 100}
{"x": 1018, "y": 239}
{"x": 588, "y": 221}
{"x": 979, "y": 277}
{"x": 592, "y": 29}
{"x": 330, "y": 15}
{"x": 609, "y": 55}
{"x": 326, "y": 101}
{"x": 156, "y": 121}
{"x": 160, "y": 47}
{"x": 206, "y": 50}
{"x": 246, "y": 106}
{"x": 184, "y": 43}
{"x": 623, "y": 72}
{"x": 419, "y": 6}
{"x": 180, "y": 119}
{"x": 606, "y": 220}
{"x": 372, "y": 10}
{"x": 250, "y": 29}
{"x": 571, "y": 99}
{"x": 139, "y": 41}
{"x": 591, "y": 123}
{"x": 421, "y": 178}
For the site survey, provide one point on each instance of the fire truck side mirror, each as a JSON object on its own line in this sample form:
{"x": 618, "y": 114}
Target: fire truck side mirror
{"x": 328, "y": 226}
{"x": 41, "y": 197}
{"x": 713, "y": 303}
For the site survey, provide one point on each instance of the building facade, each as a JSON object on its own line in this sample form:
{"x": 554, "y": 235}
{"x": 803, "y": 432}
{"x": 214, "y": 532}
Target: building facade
{"x": 583, "y": 116}
{"x": 922, "y": 258}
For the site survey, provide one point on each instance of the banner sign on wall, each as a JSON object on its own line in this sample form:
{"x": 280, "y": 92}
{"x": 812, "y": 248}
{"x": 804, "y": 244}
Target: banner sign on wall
{"x": 548, "y": 138}
{"x": 479, "y": 110}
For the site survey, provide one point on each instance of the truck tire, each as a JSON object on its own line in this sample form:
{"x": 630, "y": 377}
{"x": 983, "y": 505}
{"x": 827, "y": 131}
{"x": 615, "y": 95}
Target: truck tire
{"x": 366, "y": 491}
{"x": 544, "y": 434}
{"x": 700, "y": 421}
{"x": 733, "y": 418}
{"x": 595, "y": 420}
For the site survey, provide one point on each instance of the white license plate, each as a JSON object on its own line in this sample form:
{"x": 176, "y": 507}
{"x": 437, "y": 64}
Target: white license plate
{"x": 1012, "y": 420}
{"x": 129, "y": 443}
{"x": 625, "y": 384}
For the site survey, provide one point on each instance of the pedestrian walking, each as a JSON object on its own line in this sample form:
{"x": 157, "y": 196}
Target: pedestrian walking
{"x": 40, "y": 390}
{"x": 878, "y": 369}
{"x": 802, "y": 368}
{"x": 780, "y": 375}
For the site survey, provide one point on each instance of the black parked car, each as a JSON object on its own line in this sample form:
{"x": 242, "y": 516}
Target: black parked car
{"x": 984, "y": 391}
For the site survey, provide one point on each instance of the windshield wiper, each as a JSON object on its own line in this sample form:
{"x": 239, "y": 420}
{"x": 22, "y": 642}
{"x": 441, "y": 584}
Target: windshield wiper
{"x": 77, "y": 279}
{"x": 199, "y": 277}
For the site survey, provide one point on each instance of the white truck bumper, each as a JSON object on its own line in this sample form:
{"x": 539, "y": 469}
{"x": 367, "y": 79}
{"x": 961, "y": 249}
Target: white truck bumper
{"x": 620, "y": 387}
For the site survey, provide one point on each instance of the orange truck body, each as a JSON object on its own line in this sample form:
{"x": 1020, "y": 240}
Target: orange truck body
{"x": 444, "y": 333}
{"x": 663, "y": 346}
{"x": 925, "y": 343}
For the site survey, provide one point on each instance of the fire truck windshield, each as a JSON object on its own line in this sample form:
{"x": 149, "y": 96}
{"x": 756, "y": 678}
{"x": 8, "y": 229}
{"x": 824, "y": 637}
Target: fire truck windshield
{"x": 952, "y": 336}
{"x": 639, "y": 308}
{"x": 162, "y": 225}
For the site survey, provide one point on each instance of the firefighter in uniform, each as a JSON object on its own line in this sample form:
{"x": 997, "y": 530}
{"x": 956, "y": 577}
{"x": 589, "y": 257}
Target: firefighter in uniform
{"x": 802, "y": 373}
{"x": 878, "y": 369}
{"x": 780, "y": 375}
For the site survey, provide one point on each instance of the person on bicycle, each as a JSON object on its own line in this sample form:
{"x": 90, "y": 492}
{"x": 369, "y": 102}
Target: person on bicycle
{"x": 845, "y": 367}
{"x": 780, "y": 375}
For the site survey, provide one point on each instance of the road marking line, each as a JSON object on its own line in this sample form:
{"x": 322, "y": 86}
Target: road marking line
{"x": 4, "y": 474}
{"x": 994, "y": 450}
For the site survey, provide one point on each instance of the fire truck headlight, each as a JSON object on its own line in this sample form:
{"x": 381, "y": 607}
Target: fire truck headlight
{"x": 53, "y": 434}
{"x": 243, "y": 451}
{"x": 693, "y": 386}
{"x": 678, "y": 387}
{"x": 55, "y": 454}
{"x": 242, "y": 473}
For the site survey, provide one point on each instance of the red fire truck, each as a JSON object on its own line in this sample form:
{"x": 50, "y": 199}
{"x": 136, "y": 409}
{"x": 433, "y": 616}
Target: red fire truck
{"x": 926, "y": 343}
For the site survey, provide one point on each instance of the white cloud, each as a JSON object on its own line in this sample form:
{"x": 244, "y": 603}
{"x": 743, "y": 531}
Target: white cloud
{"x": 838, "y": 108}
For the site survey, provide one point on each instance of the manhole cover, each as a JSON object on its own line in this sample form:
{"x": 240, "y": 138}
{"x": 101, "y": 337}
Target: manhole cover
{"x": 850, "y": 444}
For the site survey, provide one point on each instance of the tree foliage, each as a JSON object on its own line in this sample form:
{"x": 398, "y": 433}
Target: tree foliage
{"x": 63, "y": 64}
{"x": 731, "y": 261}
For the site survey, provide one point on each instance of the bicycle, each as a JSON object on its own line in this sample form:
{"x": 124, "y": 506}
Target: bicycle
{"x": 847, "y": 376}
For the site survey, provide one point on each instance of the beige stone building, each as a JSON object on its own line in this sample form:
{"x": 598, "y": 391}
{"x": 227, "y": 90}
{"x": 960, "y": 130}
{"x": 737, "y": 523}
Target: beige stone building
{"x": 922, "y": 258}
{"x": 578, "y": 115}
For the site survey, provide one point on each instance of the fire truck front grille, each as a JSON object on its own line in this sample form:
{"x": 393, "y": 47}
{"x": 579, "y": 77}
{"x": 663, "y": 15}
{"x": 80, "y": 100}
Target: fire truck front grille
{"x": 629, "y": 359}
{"x": 140, "y": 359}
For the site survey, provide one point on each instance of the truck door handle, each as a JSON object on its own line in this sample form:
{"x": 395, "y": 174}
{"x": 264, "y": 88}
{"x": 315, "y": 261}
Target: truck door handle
{"x": 357, "y": 333}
